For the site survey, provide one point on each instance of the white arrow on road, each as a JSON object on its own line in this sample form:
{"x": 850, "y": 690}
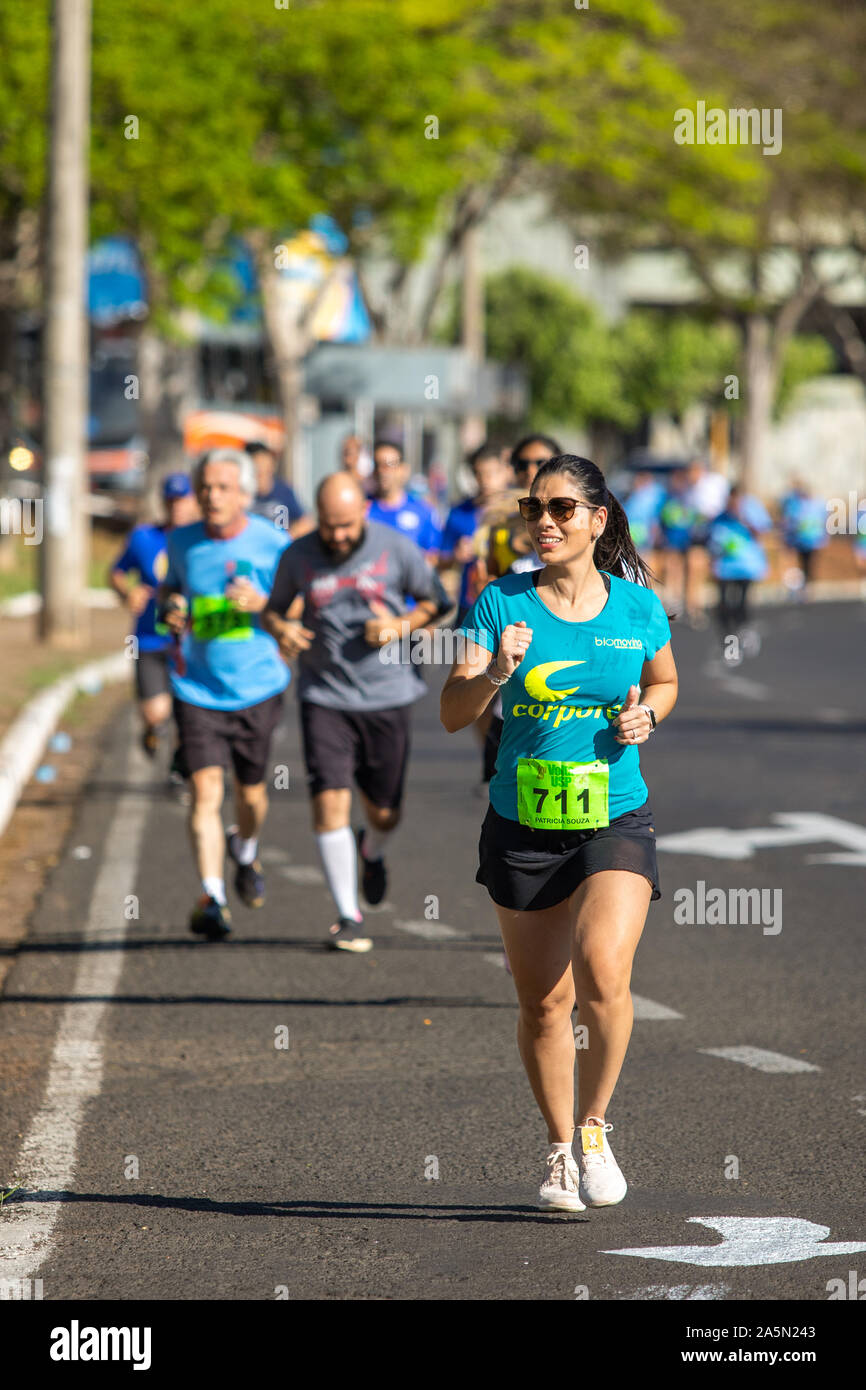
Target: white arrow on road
{"x": 751, "y": 1240}
{"x": 793, "y": 828}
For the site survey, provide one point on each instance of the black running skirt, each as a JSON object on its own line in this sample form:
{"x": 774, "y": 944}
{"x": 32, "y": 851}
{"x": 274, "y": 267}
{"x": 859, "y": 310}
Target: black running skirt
{"x": 528, "y": 869}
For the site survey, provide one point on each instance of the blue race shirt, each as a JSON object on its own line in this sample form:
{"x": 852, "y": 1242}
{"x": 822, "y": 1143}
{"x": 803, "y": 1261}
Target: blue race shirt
{"x": 678, "y": 522}
{"x": 462, "y": 520}
{"x": 414, "y": 517}
{"x": 572, "y": 682}
{"x": 642, "y": 510}
{"x": 145, "y": 552}
{"x": 804, "y": 520}
{"x": 231, "y": 662}
{"x": 736, "y": 554}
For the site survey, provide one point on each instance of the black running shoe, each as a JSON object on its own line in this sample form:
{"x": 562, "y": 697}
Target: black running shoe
{"x": 150, "y": 742}
{"x": 347, "y": 935}
{"x": 374, "y": 879}
{"x": 249, "y": 879}
{"x": 209, "y": 918}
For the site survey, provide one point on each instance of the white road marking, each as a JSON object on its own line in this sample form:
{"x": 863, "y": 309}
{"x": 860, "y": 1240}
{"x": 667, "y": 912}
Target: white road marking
{"x": 46, "y": 1161}
{"x": 760, "y": 1059}
{"x": 793, "y": 828}
{"x": 272, "y": 854}
{"x": 742, "y": 685}
{"x": 301, "y": 873}
{"x": 690, "y": 1292}
{"x": 648, "y": 1008}
{"x": 431, "y": 931}
{"x": 750, "y": 1240}
{"x": 495, "y": 958}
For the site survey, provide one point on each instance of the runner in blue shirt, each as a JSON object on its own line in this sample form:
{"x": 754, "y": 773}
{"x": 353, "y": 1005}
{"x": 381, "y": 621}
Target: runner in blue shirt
{"x": 804, "y": 527}
{"x": 227, "y": 677}
{"x": 582, "y": 657}
{"x": 392, "y": 504}
{"x": 738, "y": 558}
{"x": 136, "y": 575}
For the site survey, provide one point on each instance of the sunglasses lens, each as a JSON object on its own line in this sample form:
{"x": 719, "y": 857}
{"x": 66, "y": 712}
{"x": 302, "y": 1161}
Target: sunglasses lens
{"x": 530, "y": 509}
{"x": 561, "y": 509}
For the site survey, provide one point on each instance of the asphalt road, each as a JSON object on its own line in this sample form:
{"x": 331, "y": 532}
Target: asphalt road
{"x": 170, "y": 1149}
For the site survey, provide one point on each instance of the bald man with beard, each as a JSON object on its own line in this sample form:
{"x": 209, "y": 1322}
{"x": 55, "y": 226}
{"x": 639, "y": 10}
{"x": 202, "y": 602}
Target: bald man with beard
{"x": 354, "y": 575}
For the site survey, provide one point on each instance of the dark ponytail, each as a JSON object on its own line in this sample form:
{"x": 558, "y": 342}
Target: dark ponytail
{"x": 614, "y": 550}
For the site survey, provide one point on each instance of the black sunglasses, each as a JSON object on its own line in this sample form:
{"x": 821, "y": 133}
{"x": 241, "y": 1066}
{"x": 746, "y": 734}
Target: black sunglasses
{"x": 560, "y": 508}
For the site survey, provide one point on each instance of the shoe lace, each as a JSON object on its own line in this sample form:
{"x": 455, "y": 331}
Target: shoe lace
{"x": 560, "y": 1171}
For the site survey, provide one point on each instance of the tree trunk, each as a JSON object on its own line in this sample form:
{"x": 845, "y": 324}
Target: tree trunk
{"x": 761, "y": 371}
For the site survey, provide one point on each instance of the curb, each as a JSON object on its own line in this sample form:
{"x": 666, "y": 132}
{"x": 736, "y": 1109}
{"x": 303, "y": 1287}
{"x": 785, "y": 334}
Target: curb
{"x": 24, "y": 743}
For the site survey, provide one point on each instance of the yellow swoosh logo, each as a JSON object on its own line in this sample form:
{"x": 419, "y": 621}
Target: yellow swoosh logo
{"x": 536, "y": 680}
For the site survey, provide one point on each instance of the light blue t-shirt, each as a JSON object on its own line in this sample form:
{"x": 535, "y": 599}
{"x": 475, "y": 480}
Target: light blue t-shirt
{"x": 572, "y": 682}
{"x": 231, "y": 662}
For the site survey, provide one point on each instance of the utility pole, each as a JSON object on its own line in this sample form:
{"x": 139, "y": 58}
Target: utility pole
{"x": 65, "y": 543}
{"x": 472, "y": 325}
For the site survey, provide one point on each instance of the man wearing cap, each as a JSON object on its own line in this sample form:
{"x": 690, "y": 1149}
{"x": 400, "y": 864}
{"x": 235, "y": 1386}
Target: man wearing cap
{"x": 135, "y": 576}
{"x": 227, "y": 678}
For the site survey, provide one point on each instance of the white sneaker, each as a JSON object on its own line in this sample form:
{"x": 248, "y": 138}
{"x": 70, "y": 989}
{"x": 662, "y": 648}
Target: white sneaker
{"x": 601, "y": 1181}
{"x": 561, "y": 1186}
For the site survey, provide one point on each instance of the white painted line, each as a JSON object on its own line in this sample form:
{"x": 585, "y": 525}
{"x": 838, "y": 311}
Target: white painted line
{"x": 495, "y": 958}
{"x": 25, "y": 741}
{"x": 793, "y": 828}
{"x": 431, "y": 931}
{"x": 649, "y": 1009}
{"x": 742, "y": 685}
{"x": 750, "y": 1240}
{"x": 46, "y": 1161}
{"x": 760, "y": 1059}
{"x": 272, "y": 854}
{"x": 301, "y": 873}
{"x": 690, "y": 1292}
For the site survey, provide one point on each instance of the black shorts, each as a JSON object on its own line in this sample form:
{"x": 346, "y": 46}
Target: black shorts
{"x": 528, "y": 869}
{"x": 151, "y": 675}
{"x": 370, "y": 748}
{"x": 237, "y": 738}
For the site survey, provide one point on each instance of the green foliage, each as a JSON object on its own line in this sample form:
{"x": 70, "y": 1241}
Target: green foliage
{"x": 570, "y": 357}
{"x": 672, "y": 361}
{"x": 807, "y": 355}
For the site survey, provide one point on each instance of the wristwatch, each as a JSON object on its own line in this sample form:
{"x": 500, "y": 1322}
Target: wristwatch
{"x": 652, "y": 714}
{"x": 494, "y": 675}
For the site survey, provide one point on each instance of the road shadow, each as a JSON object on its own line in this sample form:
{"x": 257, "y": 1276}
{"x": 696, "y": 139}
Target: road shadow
{"x": 398, "y": 1001}
{"x": 314, "y": 1210}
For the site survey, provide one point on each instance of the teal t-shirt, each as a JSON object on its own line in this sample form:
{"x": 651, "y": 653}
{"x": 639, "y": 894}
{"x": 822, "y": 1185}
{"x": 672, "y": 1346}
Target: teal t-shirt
{"x": 571, "y": 683}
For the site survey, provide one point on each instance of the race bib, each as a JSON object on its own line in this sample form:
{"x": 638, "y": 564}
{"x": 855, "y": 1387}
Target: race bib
{"x": 216, "y": 619}
{"x": 562, "y": 796}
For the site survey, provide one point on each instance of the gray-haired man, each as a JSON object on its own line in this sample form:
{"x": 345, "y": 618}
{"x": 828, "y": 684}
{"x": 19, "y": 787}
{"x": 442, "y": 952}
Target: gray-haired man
{"x": 227, "y": 677}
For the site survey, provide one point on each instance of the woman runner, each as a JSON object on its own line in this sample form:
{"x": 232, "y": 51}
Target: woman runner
{"x": 581, "y": 652}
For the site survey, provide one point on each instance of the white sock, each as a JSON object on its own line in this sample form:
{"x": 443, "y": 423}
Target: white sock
{"x": 246, "y": 850}
{"x": 340, "y": 862}
{"x": 216, "y": 889}
{"x": 374, "y": 841}
{"x": 563, "y": 1145}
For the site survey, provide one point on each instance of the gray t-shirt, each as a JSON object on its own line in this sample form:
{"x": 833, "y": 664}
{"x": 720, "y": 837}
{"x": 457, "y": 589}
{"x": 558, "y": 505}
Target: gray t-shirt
{"x": 341, "y": 670}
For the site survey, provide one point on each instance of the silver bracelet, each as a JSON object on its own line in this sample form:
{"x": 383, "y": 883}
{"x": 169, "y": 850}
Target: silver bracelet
{"x": 498, "y": 678}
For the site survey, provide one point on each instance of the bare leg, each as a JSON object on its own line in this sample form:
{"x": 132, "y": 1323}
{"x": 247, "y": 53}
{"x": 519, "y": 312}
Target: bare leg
{"x": 609, "y": 909}
{"x": 251, "y": 804}
{"x": 538, "y": 945}
{"x": 205, "y": 821}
